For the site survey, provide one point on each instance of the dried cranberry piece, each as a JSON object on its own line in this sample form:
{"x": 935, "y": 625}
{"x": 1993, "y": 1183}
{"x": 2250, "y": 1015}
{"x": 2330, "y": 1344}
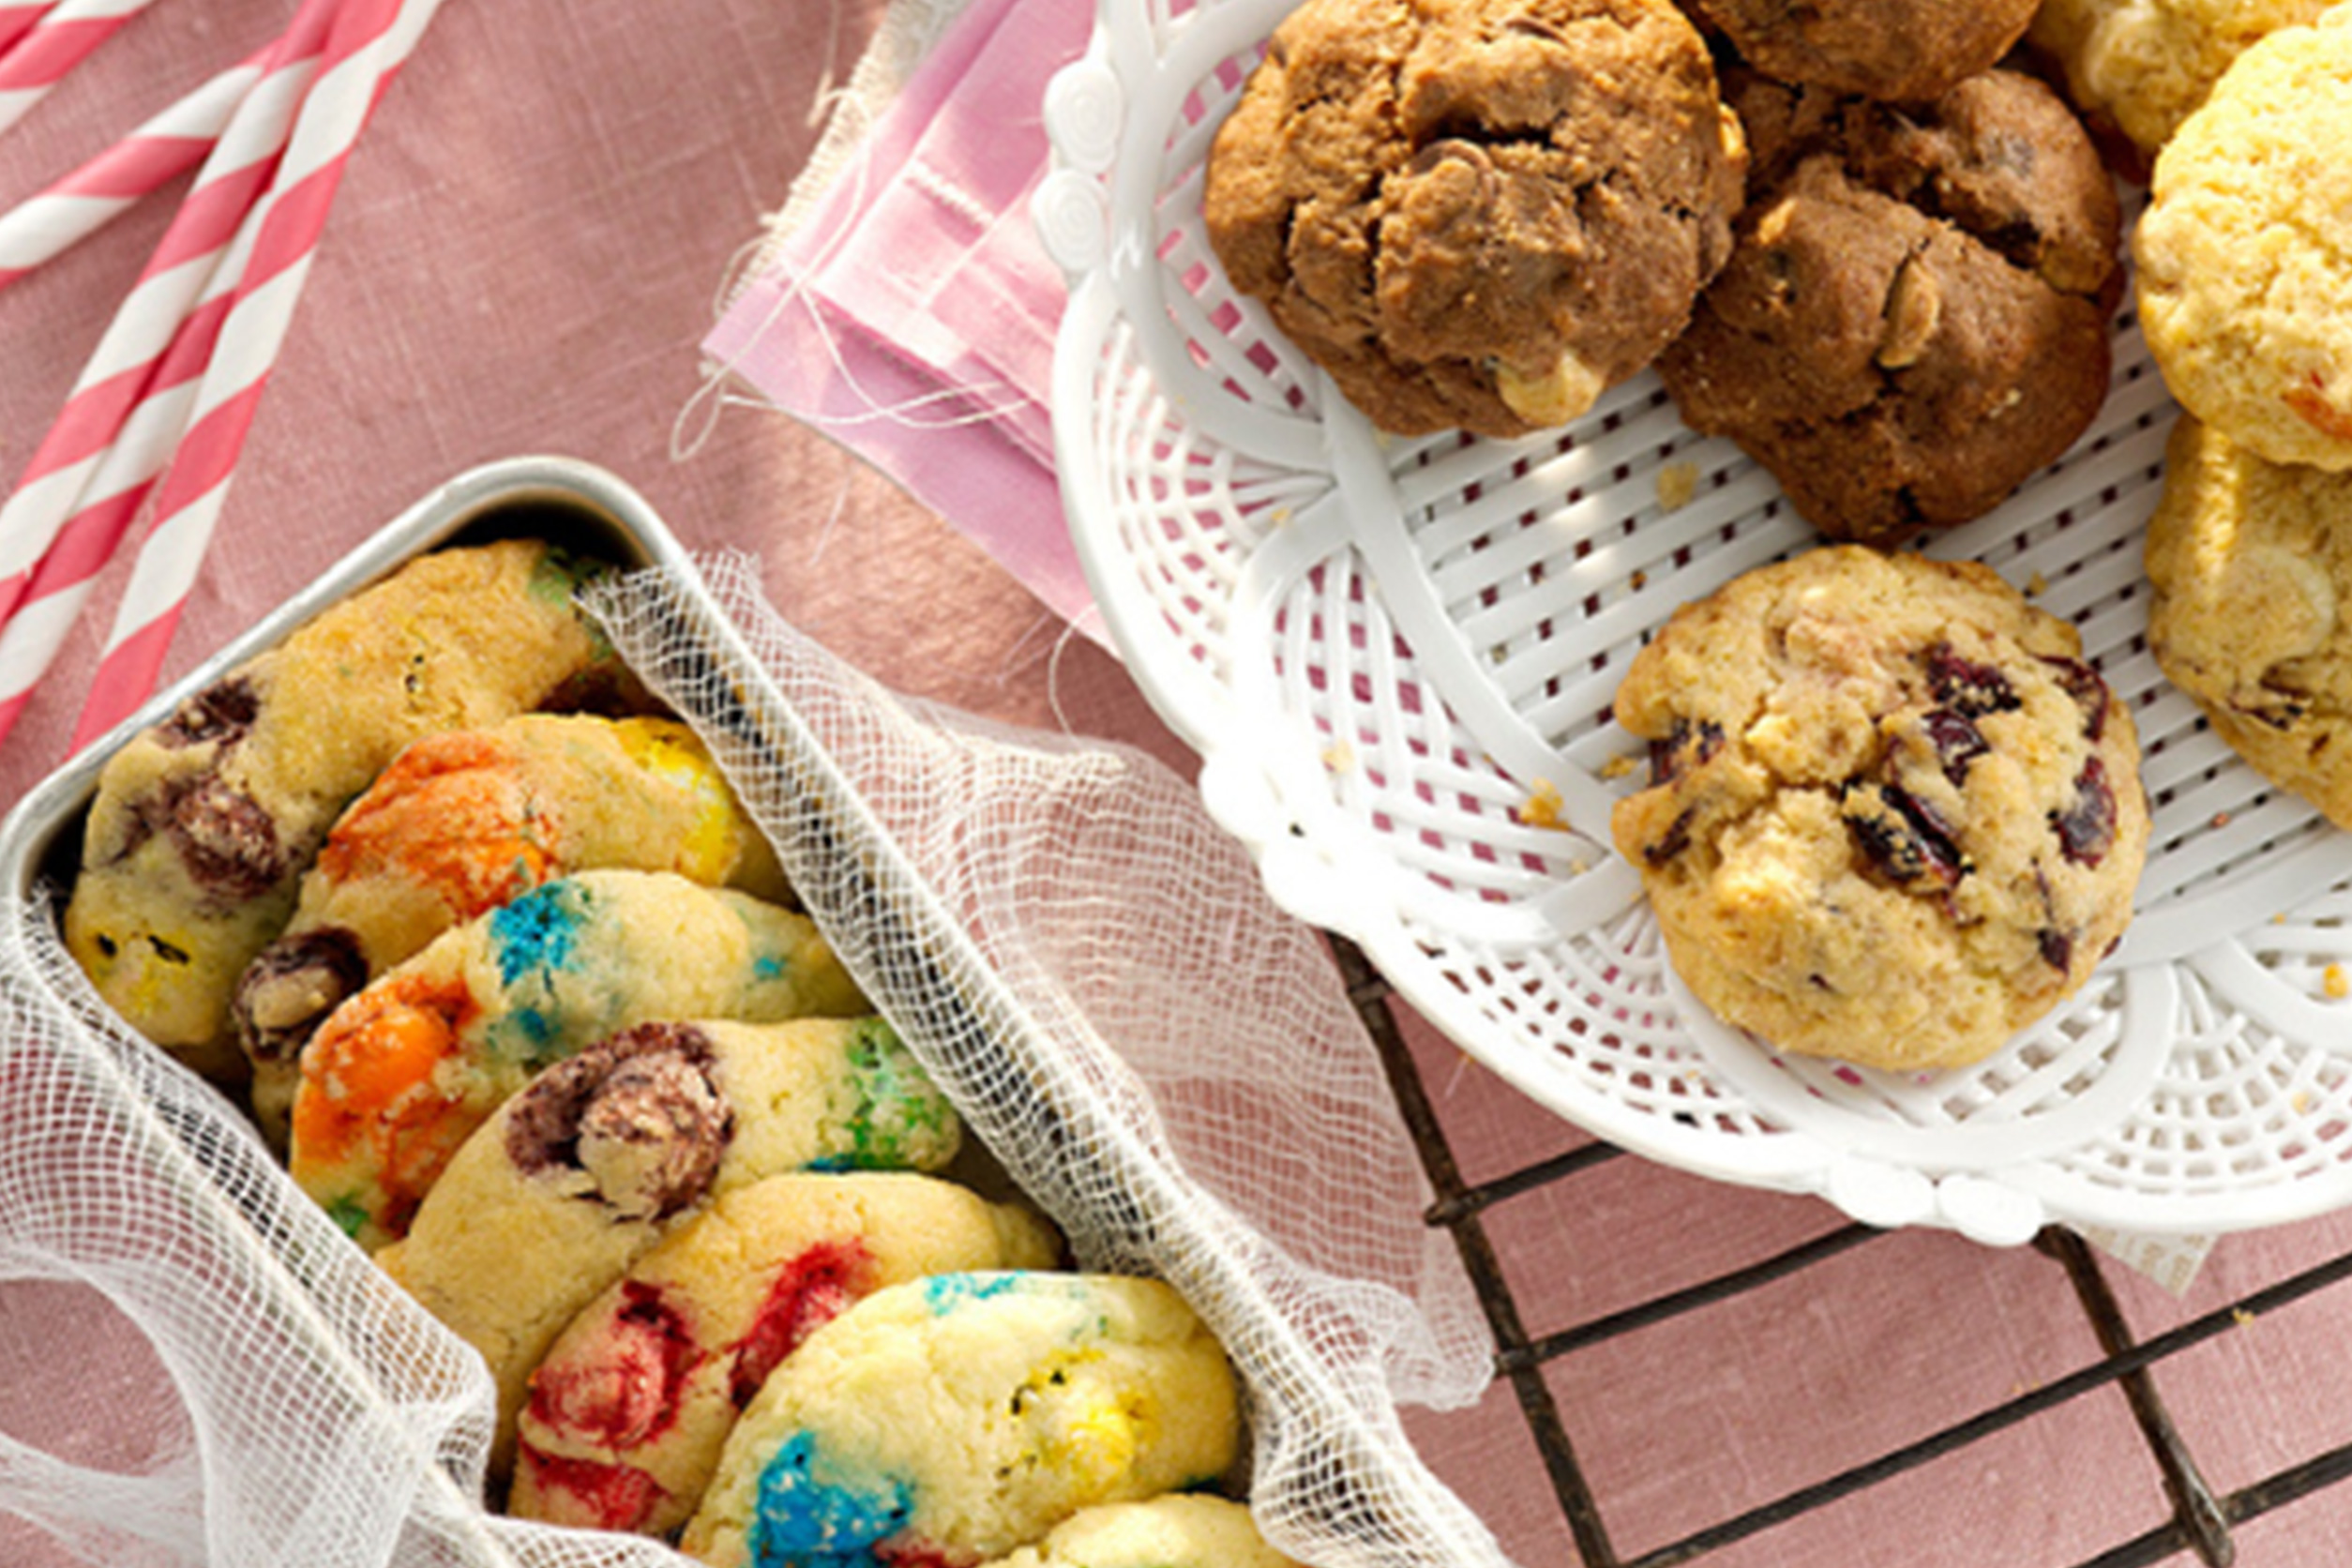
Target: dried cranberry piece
{"x": 1677, "y": 839}
{"x": 1957, "y": 741}
{"x": 2086, "y": 830}
{"x": 1969, "y": 689}
{"x": 1685, "y": 746}
{"x": 2082, "y": 683}
{"x": 2058, "y": 949}
{"x": 1902, "y": 835}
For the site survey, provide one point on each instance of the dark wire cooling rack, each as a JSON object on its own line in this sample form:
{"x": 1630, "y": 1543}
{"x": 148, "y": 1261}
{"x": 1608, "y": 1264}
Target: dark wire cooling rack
{"x": 2202, "y": 1522}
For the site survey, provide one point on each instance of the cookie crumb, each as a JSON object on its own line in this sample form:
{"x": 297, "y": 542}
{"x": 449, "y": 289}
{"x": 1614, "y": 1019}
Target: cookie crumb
{"x": 2241, "y": 1317}
{"x": 2337, "y": 983}
{"x": 1619, "y": 765}
{"x": 2036, "y": 586}
{"x": 1544, "y": 807}
{"x": 1678, "y": 486}
{"x": 1339, "y": 757}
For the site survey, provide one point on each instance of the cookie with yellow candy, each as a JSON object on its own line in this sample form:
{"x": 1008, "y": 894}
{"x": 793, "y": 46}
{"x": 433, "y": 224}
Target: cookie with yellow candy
{"x": 957, "y": 1418}
{"x": 203, "y": 824}
{"x": 604, "y": 1153}
{"x": 627, "y": 1410}
{"x": 465, "y": 820}
{"x": 1182, "y": 1530}
{"x": 402, "y": 1072}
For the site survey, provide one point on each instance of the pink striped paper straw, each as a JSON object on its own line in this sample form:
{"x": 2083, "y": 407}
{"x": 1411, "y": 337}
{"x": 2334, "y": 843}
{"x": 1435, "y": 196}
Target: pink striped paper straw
{"x": 369, "y": 42}
{"x": 62, "y": 582}
{"x": 41, "y": 227}
{"x": 57, "y": 41}
{"x": 121, "y": 370}
{"x": 17, "y": 21}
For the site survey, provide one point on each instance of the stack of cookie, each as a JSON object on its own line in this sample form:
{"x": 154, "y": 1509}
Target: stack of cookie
{"x": 522, "y": 993}
{"x": 2244, "y": 280}
{"x": 1846, "y": 239}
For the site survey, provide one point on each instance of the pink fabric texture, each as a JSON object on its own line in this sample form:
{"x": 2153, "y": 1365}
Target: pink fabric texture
{"x": 523, "y": 259}
{"x": 912, "y": 316}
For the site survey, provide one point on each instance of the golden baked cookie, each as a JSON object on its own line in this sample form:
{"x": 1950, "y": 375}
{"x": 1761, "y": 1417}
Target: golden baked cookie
{"x": 204, "y": 824}
{"x": 465, "y": 820}
{"x": 1182, "y": 1530}
{"x": 1476, "y": 214}
{"x": 2249, "y": 561}
{"x": 1903, "y": 50}
{"x": 1893, "y": 816}
{"x": 579, "y": 1174}
{"x": 402, "y": 1073}
{"x": 629, "y": 1408}
{"x": 2245, "y": 292}
{"x": 955, "y": 1418}
{"x": 2145, "y": 66}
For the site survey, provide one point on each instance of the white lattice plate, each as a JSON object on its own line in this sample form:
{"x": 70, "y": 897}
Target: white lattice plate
{"x": 1384, "y": 649}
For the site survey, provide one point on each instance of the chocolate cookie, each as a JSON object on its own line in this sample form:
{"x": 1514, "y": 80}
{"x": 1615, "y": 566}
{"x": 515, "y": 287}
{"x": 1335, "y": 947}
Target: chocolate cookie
{"x": 1893, "y": 816}
{"x": 1902, "y": 50}
{"x": 1916, "y": 316}
{"x": 204, "y": 824}
{"x": 2252, "y": 565}
{"x": 1476, "y": 212}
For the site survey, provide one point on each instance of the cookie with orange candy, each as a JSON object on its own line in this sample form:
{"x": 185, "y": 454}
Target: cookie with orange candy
{"x": 204, "y": 822}
{"x": 465, "y": 820}
{"x": 602, "y": 1155}
{"x": 629, "y": 1408}
{"x": 402, "y": 1072}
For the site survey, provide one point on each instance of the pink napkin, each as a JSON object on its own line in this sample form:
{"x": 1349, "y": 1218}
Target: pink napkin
{"x": 911, "y": 316}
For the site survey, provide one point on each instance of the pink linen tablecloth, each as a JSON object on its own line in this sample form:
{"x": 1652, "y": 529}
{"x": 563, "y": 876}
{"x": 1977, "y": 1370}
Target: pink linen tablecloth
{"x": 524, "y": 258}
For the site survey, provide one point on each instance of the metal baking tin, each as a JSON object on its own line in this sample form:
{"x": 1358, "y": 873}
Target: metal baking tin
{"x": 571, "y": 502}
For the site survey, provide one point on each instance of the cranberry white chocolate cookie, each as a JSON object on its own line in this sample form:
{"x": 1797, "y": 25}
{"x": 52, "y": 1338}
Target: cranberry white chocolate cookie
{"x": 2252, "y": 566}
{"x": 1476, "y": 212}
{"x": 465, "y": 820}
{"x": 1893, "y": 816}
{"x": 399, "y": 1075}
{"x": 2242, "y": 283}
{"x": 627, "y": 1411}
{"x": 954, "y": 1418}
{"x": 575, "y": 1177}
{"x": 204, "y": 824}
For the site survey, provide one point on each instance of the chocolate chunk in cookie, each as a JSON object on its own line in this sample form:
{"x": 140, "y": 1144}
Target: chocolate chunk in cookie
{"x": 1916, "y": 316}
{"x": 1918, "y": 825}
{"x": 1478, "y": 213}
